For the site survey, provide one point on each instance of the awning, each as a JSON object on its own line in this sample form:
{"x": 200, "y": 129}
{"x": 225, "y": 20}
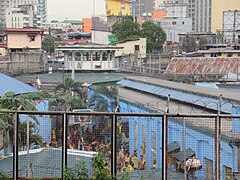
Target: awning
{"x": 180, "y": 155}
{"x": 174, "y": 146}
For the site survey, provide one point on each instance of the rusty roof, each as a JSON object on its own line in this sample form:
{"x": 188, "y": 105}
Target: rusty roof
{"x": 202, "y": 65}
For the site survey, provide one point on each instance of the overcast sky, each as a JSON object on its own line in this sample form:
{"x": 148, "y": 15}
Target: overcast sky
{"x": 73, "y": 9}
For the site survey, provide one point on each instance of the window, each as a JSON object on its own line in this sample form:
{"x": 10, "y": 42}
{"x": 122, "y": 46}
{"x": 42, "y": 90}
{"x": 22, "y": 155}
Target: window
{"x": 182, "y": 22}
{"x": 174, "y": 23}
{"x": 32, "y": 38}
{"x": 137, "y": 48}
{"x": 123, "y": 6}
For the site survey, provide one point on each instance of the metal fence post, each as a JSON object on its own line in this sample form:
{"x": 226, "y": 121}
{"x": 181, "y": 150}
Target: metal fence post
{"x": 218, "y": 140}
{"x": 114, "y": 145}
{"x": 164, "y": 146}
{"x": 64, "y": 143}
{"x": 15, "y": 151}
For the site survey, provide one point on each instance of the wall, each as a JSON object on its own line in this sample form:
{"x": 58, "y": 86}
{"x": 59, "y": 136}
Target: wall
{"x": 202, "y": 142}
{"x": 22, "y": 40}
{"x": 129, "y": 47}
{"x": 114, "y": 7}
{"x": 218, "y": 6}
{"x": 100, "y": 37}
{"x": 19, "y": 63}
{"x": 87, "y": 24}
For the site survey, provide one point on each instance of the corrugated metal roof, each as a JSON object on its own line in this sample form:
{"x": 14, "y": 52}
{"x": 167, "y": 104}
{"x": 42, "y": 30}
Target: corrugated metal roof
{"x": 202, "y": 65}
{"x": 10, "y": 84}
{"x": 206, "y": 102}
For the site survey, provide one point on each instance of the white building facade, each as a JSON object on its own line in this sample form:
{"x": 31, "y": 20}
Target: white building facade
{"x": 22, "y": 16}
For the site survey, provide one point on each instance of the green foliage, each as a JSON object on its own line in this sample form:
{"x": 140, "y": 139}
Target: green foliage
{"x": 79, "y": 171}
{"x": 48, "y": 45}
{"x": 34, "y": 138}
{"x": 104, "y": 98}
{"x": 154, "y": 34}
{"x": 100, "y": 169}
{"x": 126, "y": 29}
{"x": 3, "y": 176}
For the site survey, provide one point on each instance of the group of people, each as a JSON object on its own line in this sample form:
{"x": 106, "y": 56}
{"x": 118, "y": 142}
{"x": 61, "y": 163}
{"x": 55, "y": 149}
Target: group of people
{"x": 127, "y": 163}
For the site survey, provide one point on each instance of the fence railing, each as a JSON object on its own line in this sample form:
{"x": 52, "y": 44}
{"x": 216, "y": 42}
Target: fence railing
{"x": 166, "y": 146}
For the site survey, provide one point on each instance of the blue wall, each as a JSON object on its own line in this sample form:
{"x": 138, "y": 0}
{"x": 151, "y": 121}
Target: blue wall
{"x": 196, "y": 139}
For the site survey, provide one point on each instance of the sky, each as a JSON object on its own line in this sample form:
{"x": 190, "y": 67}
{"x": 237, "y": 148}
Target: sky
{"x": 73, "y": 9}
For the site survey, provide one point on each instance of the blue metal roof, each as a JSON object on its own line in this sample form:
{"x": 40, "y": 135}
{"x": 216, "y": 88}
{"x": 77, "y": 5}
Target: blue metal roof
{"x": 206, "y": 102}
{"x": 10, "y": 84}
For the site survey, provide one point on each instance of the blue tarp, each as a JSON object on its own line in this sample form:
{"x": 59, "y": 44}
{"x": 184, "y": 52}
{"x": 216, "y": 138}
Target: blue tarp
{"x": 206, "y": 102}
{"x": 10, "y": 84}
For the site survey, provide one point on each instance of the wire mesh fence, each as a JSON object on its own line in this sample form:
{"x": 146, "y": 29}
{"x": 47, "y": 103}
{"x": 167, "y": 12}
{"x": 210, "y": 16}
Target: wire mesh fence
{"x": 136, "y": 145}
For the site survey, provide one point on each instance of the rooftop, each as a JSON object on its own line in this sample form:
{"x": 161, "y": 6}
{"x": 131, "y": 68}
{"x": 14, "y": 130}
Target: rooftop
{"x": 24, "y": 30}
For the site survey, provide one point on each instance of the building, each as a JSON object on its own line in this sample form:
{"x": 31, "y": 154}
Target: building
{"x": 39, "y": 5}
{"x": 4, "y": 4}
{"x": 135, "y": 46}
{"x": 231, "y": 25}
{"x": 42, "y": 10}
{"x": 175, "y": 22}
{"x": 200, "y": 12}
{"x": 139, "y": 7}
{"x": 229, "y": 52}
{"x": 87, "y": 24}
{"x": 20, "y": 39}
{"x": 3, "y": 44}
{"x": 218, "y": 7}
{"x": 118, "y": 7}
{"x": 89, "y": 56}
{"x": 22, "y": 16}
{"x": 190, "y": 42}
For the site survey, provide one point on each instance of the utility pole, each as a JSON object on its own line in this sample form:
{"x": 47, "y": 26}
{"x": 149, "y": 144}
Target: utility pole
{"x": 139, "y": 9}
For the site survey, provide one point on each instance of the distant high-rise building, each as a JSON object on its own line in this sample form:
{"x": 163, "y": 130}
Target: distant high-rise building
{"x": 200, "y": 12}
{"x": 3, "y": 5}
{"x": 218, "y": 7}
{"x": 24, "y": 15}
{"x": 42, "y": 10}
{"x": 139, "y": 7}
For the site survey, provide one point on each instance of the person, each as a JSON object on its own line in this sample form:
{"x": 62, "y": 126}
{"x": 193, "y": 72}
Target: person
{"x": 127, "y": 157}
{"x": 127, "y": 167}
{"x": 134, "y": 160}
{"x": 154, "y": 165}
{"x": 143, "y": 148}
{"x": 141, "y": 163}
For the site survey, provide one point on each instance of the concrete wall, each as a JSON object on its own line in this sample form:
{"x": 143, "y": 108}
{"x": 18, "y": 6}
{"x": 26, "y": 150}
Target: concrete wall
{"x": 100, "y": 37}
{"x": 19, "y": 63}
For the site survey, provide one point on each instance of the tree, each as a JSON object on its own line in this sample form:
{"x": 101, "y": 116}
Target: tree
{"x": 104, "y": 98}
{"x": 126, "y": 29}
{"x": 67, "y": 98}
{"x": 155, "y": 36}
{"x": 48, "y": 45}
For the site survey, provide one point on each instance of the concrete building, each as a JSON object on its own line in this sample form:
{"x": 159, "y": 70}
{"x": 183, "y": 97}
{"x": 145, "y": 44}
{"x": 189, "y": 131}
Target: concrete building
{"x": 231, "y": 25}
{"x": 200, "y": 12}
{"x": 19, "y": 39}
{"x": 4, "y": 4}
{"x": 89, "y": 56}
{"x": 190, "y": 42}
{"x": 175, "y": 26}
{"x": 22, "y": 16}
{"x": 218, "y": 7}
{"x": 135, "y": 46}
{"x": 139, "y": 7}
{"x": 118, "y": 7}
{"x": 175, "y": 22}
{"x": 42, "y": 10}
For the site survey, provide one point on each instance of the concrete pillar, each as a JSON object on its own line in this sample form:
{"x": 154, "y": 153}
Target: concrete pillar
{"x": 114, "y": 63}
{"x": 101, "y": 58}
{"x": 108, "y": 58}
{"x": 81, "y": 59}
{"x": 73, "y": 65}
{"x": 139, "y": 136}
{"x": 91, "y": 54}
{"x": 65, "y": 60}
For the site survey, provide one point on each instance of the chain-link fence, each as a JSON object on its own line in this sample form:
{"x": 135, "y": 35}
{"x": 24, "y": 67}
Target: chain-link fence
{"x": 50, "y": 145}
